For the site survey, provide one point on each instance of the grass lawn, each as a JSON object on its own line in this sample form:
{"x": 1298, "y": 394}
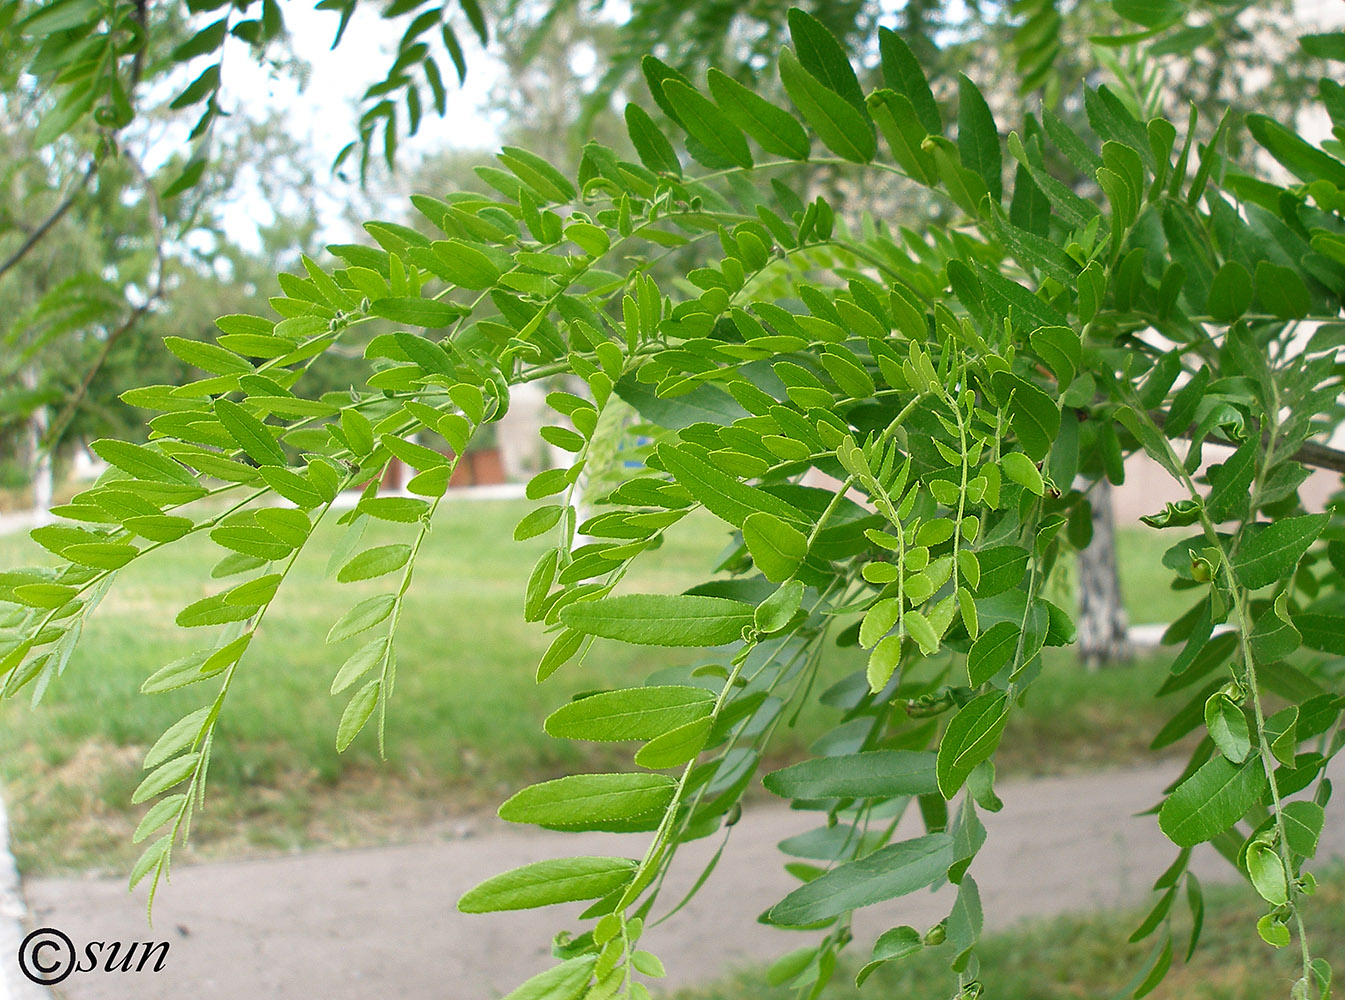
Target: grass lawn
{"x": 464, "y": 724}
{"x": 1077, "y": 957}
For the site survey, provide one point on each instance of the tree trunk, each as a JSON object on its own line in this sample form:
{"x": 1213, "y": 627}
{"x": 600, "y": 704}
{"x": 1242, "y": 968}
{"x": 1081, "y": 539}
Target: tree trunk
{"x": 1102, "y": 617}
{"x": 39, "y": 458}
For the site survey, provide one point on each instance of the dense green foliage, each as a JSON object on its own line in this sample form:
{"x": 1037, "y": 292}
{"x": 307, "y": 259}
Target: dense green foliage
{"x": 901, "y": 423}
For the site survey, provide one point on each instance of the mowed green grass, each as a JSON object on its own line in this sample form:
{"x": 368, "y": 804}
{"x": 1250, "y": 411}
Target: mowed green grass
{"x": 464, "y": 724}
{"x": 1079, "y": 957}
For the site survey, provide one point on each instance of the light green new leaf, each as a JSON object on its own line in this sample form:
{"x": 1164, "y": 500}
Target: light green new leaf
{"x": 675, "y": 747}
{"x": 535, "y": 172}
{"x": 661, "y": 619}
{"x": 705, "y": 122}
{"x": 776, "y": 611}
{"x": 1211, "y": 800}
{"x": 165, "y": 776}
{"x": 544, "y": 883}
{"x": 178, "y": 736}
{"x": 566, "y": 981}
{"x": 101, "y": 555}
{"x": 774, "y": 128}
{"x": 154, "y": 854}
{"x": 892, "y": 871}
{"x": 842, "y": 127}
{"x": 374, "y": 562}
{"x": 892, "y": 945}
{"x": 869, "y": 774}
{"x": 630, "y": 714}
{"x": 1266, "y": 870}
{"x": 970, "y": 738}
{"x": 157, "y": 815}
{"x": 590, "y": 801}
{"x": 366, "y": 614}
{"x": 292, "y": 486}
{"x": 1023, "y": 471}
{"x": 538, "y": 521}
{"x": 359, "y": 663}
{"x": 216, "y": 610}
{"x": 777, "y": 548}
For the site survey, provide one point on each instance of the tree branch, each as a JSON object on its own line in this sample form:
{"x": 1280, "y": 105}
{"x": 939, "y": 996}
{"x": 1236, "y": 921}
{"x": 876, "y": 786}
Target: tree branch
{"x": 67, "y": 414}
{"x": 1310, "y": 453}
{"x": 36, "y": 235}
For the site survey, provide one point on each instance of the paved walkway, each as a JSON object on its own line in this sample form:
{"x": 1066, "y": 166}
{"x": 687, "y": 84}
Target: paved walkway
{"x": 347, "y": 924}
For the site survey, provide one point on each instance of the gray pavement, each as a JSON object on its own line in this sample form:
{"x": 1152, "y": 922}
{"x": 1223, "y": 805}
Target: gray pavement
{"x": 345, "y": 924}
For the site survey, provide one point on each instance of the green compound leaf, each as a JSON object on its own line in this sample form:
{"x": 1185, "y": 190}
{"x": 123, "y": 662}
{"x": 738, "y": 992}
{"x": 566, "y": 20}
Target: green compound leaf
{"x": 707, "y": 123}
{"x": 651, "y": 145}
{"x": 970, "y": 738}
{"x": 1211, "y": 800}
{"x": 661, "y": 619}
{"x": 777, "y": 548}
{"x": 1272, "y": 553}
{"x": 567, "y": 981}
{"x": 977, "y": 137}
{"x": 892, "y": 871}
{"x": 1227, "y": 726}
{"x": 544, "y": 883}
{"x": 630, "y": 714}
{"x": 870, "y": 774}
{"x": 992, "y": 651}
{"x": 774, "y": 129}
{"x": 357, "y": 713}
{"x": 142, "y": 462}
{"x": 842, "y": 127}
{"x": 677, "y": 746}
{"x": 590, "y": 801}
{"x": 251, "y": 434}
{"x": 721, "y": 494}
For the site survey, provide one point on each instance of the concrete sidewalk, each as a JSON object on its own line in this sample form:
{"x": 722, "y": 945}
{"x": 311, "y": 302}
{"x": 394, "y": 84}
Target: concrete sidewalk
{"x": 344, "y": 924}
